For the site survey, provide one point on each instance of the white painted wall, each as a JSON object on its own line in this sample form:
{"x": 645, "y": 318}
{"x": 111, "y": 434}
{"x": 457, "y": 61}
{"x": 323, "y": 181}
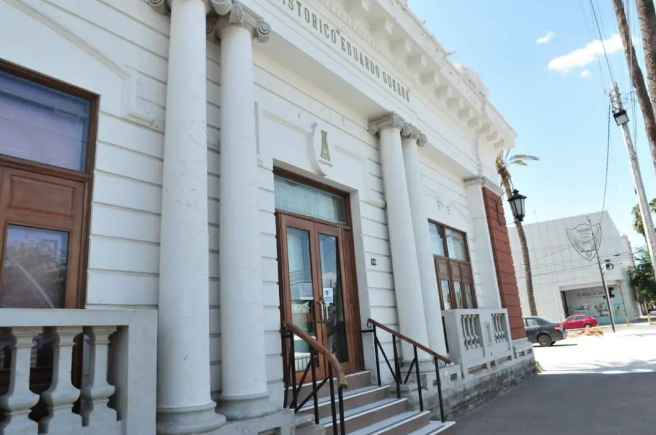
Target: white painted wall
{"x": 118, "y": 49}
{"x": 557, "y": 266}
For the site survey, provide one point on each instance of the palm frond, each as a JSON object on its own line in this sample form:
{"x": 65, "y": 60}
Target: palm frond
{"x": 518, "y": 163}
{"x": 522, "y": 157}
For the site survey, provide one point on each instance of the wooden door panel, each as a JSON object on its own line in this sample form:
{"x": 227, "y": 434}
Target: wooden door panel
{"x": 40, "y": 195}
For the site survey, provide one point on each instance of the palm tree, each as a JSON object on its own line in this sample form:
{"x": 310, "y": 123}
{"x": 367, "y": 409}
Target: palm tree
{"x": 502, "y": 162}
{"x": 638, "y": 225}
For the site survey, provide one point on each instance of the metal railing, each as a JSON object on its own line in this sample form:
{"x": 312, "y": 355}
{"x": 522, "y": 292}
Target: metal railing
{"x": 334, "y": 368}
{"x": 396, "y": 371}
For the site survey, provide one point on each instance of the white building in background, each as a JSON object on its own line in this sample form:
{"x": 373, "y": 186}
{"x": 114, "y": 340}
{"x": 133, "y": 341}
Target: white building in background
{"x": 566, "y": 278}
{"x": 194, "y": 185}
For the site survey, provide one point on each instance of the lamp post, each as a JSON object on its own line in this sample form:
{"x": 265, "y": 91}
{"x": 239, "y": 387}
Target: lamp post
{"x": 518, "y": 205}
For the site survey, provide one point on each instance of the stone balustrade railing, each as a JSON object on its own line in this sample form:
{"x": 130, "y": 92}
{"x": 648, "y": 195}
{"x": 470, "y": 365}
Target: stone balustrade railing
{"x": 110, "y": 354}
{"x": 478, "y": 338}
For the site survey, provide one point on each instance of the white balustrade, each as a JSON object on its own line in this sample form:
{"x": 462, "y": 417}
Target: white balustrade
{"x": 95, "y": 409}
{"x": 19, "y": 399}
{"x": 133, "y": 372}
{"x": 61, "y": 395}
{"x": 464, "y": 330}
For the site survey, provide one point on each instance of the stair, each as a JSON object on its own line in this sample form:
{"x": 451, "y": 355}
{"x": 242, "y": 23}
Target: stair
{"x": 368, "y": 410}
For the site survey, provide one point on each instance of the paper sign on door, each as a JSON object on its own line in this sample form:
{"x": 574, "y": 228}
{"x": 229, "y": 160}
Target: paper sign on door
{"x": 328, "y": 295}
{"x": 306, "y": 291}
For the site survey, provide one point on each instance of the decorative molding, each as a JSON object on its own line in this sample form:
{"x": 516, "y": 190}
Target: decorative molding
{"x": 130, "y": 77}
{"x": 484, "y": 182}
{"x": 411, "y": 132}
{"x": 391, "y": 120}
{"x": 322, "y": 150}
{"x": 163, "y": 7}
{"x": 462, "y": 81}
{"x": 234, "y": 13}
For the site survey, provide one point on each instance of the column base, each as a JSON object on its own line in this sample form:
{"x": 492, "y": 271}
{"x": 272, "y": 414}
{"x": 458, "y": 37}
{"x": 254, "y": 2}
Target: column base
{"x": 187, "y": 421}
{"x": 245, "y": 407}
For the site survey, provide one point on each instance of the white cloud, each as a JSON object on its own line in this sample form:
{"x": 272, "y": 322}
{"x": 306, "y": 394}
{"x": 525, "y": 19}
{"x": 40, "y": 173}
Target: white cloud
{"x": 585, "y": 73}
{"x": 584, "y": 56}
{"x": 546, "y": 38}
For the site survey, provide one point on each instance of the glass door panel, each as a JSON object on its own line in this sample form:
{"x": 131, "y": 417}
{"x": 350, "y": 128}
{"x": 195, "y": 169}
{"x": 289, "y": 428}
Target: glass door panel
{"x": 333, "y": 296}
{"x": 34, "y": 269}
{"x": 303, "y": 303}
{"x": 301, "y": 291}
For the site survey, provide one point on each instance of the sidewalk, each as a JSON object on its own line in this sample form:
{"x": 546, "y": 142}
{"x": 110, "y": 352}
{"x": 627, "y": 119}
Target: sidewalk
{"x": 591, "y": 385}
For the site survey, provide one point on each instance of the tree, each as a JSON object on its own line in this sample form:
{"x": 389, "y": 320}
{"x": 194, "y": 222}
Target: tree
{"x": 647, "y": 15}
{"x": 502, "y": 163}
{"x": 637, "y": 78}
{"x": 642, "y": 277}
{"x": 638, "y": 225}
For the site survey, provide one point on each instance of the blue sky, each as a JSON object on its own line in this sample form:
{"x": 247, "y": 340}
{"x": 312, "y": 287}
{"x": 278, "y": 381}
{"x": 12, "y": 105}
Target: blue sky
{"x": 554, "y": 96}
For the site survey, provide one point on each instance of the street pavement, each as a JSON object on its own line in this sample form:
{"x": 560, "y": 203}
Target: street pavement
{"x": 589, "y": 385}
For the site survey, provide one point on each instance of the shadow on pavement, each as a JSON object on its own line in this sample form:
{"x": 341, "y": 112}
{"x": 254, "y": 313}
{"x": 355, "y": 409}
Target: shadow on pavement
{"x": 590, "y": 403}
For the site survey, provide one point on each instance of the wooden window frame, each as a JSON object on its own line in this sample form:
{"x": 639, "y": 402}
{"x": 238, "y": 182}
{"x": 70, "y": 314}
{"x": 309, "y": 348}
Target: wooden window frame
{"x": 85, "y": 176}
{"x": 461, "y": 263}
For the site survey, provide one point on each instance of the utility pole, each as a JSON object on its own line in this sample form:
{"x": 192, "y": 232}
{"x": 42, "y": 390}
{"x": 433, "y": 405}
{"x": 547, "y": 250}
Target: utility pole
{"x": 603, "y": 278}
{"x": 645, "y": 211}
{"x": 637, "y": 79}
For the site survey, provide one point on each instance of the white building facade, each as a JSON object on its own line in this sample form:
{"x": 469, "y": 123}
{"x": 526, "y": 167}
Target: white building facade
{"x": 566, "y": 278}
{"x": 182, "y": 179}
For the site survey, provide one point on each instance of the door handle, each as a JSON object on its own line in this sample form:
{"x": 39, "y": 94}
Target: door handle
{"x": 323, "y": 317}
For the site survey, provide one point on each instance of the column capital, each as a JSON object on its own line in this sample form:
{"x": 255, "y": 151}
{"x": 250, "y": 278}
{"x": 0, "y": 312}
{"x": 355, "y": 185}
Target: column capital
{"x": 391, "y": 120}
{"x": 410, "y": 132}
{"x": 234, "y": 13}
{"x": 164, "y": 6}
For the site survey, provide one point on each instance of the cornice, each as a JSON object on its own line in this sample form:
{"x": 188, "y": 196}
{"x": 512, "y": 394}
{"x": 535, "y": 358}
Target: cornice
{"x": 464, "y": 102}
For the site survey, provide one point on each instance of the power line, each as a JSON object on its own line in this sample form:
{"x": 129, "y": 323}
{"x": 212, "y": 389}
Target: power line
{"x": 601, "y": 39}
{"x": 592, "y": 37}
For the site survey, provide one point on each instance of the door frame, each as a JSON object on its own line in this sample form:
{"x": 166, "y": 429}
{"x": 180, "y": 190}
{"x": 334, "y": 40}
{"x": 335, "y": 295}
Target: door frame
{"x": 347, "y": 263}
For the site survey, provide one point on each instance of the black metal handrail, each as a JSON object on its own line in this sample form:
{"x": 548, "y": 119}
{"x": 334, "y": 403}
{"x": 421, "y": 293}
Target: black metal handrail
{"x": 396, "y": 371}
{"x": 334, "y": 369}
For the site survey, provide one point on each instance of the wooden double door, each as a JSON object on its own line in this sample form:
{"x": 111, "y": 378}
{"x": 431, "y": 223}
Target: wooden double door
{"x": 318, "y": 289}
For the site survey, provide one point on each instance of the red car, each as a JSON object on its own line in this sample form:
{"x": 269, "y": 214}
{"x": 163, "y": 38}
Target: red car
{"x": 579, "y": 321}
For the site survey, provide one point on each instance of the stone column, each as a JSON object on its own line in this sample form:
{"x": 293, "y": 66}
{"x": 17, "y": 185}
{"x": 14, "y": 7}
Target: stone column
{"x": 412, "y": 138}
{"x": 407, "y": 281}
{"x": 184, "y": 405}
{"x": 243, "y": 355}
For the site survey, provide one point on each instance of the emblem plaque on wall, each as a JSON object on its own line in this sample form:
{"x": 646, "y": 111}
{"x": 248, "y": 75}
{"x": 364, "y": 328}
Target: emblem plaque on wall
{"x": 585, "y": 239}
{"x": 322, "y": 149}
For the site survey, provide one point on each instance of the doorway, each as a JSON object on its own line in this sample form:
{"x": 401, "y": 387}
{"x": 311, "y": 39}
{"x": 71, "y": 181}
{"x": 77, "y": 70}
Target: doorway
{"x": 317, "y": 276}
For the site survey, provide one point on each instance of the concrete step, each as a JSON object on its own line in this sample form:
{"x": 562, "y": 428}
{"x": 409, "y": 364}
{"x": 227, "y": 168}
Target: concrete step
{"x": 437, "y": 427}
{"x": 400, "y": 424}
{"x": 305, "y": 425}
{"x": 367, "y": 415}
{"x": 355, "y": 381}
{"x": 352, "y": 399}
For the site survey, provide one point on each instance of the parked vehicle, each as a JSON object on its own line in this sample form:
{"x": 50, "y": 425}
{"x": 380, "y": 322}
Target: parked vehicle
{"x": 543, "y": 331}
{"x": 579, "y": 321}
